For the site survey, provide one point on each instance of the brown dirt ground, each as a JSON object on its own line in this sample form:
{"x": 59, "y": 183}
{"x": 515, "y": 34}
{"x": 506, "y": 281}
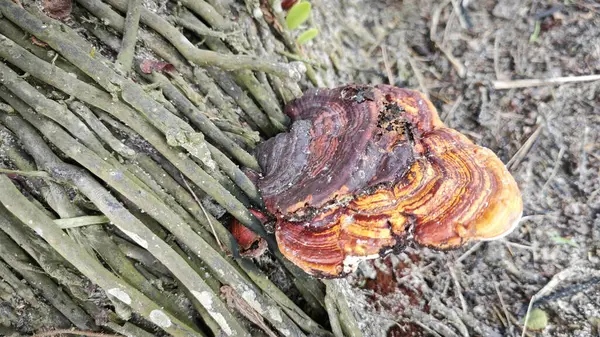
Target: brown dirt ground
{"x": 548, "y": 135}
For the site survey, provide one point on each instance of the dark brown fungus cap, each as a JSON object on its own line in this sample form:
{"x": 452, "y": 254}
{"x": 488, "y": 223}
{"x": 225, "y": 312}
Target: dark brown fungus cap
{"x": 364, "y": 169}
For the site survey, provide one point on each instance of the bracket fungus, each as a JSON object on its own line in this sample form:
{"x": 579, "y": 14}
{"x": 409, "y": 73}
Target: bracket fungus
{"x": 364, "y": 170}
{"x": 250, "y": 243}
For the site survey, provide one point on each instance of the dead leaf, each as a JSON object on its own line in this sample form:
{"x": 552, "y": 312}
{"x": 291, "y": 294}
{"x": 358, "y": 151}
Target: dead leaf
{"x": 148, "y": 66}
{"x": 265, "y": 7}
{"x": 58, "y": 9}
{"x": 38, "y": 42}
{"x": 287, "y": 4}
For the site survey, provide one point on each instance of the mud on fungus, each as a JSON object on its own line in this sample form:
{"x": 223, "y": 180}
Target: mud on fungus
{"x": 366, "y": 169}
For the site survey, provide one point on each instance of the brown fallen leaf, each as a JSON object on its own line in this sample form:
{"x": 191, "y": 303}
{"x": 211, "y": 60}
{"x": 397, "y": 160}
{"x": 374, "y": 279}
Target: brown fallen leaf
{"x": 58, "y": 9}
{"x": 148, "y": 66}
{"x": 265, "y": 7}
{"x": 234, "y": 300}
{"x": 38, "y": 42}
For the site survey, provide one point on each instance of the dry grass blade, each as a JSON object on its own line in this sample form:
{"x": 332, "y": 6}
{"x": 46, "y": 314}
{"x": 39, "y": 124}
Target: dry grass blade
{"x": 554, "y": 282}
{"x": 503, "y": 85}
{"x": 502, "y": 303}
{"x": 461, "y": 70}
{"x": 458, "y": 288}
{"x": 203, "y": 211}
{"x": 469, "y": 252}
{"x": 524, "y": 149}
{"x": 386, "y": 63}
{"x": 73, "y": 332}
{"x": 418, "y": 73}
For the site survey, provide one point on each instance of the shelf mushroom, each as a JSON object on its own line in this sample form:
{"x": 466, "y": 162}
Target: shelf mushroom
{"x": 250, "y": 244}
{"x": 364, "y": 170}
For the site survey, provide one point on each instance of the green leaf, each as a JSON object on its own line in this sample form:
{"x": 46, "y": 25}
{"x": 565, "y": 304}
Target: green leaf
{"x": 538, "y": 319}
{"x": 297, "y": 15}
{"x": 307, "y": 36}
{"x": 536, "y": 32}
{"x": 563, "y": 241}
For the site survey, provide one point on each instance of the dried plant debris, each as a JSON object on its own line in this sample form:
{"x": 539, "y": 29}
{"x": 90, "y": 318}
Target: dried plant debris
{"x": 58, "y": 9}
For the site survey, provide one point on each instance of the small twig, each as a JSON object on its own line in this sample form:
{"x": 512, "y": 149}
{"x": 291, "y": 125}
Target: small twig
{"x": 128, "y": 329}
{"x": 499, "y": 75}
{"x": 462, "y": 15}
{"x": 526, "y": 83}
{"x": 334, "y": 320}
{"x": 583, "y": 160}
{"x": 569, "y": 290}
{"x": 424, "y": 319}
{"x": 54, "y": 60}
{"x": 546, "y": 13}
{"x": 139, "y": 254}
{"x": 458, "y": 66}
{"x": 346, "y": 317}
{"x": 209, "y": 14}
{"x": 524, "y": 149}
{"x": 458, "y": 288}
{"x": 557, "y": 163}
{"x": 462, "y": 320}
{"x": 300, "y": 58}
{"x": 81, "y": 221}
{"x": 100, "y": 129}
{"x": 37, "y": 174}
{"x": 418, "y": 74}
{"x": 73, "y": 332}
{"x": 449, "y": 25}
{"x": 203, "y": 211}
{"x": 469, "y": 252}
{"x": 235, "y": 301}
{"x": 537, "y": 217}
{"x": 556, "y": 279}
{"x": 426, "y": 328}
{"x": 499, "y": 316}
{"x": 435, "y": 18}
{"x": 386, "y": 63}
{"x": 47, "y": 107}
{"x": 518, "y": 245}
{"x": 519, "y": 325}
{"x": 502, "y": 303}
{"x": 416, "y": 271}
{"x": 6, "y": 108}
{"x": 455, "y": 106}
{"x": 201, "y": 31}
{"x": 132, "y": 22}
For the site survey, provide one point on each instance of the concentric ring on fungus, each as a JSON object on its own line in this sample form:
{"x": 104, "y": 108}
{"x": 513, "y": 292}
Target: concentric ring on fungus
{"x": 366, "y": 169}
